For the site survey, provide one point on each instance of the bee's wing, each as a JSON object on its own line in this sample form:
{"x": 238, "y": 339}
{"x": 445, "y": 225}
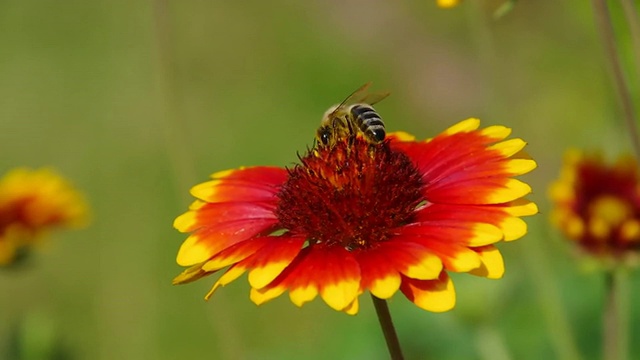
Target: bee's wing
{"x": 362, "y": 95}
{"x": 374, "y": 98}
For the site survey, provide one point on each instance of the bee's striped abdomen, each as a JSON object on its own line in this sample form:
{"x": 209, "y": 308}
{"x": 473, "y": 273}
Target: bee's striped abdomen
{"x": 369, "y": 122}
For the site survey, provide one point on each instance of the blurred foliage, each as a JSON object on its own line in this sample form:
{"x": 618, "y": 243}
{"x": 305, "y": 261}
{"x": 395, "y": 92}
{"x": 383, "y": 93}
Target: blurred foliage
{"x": 138, "y": 101}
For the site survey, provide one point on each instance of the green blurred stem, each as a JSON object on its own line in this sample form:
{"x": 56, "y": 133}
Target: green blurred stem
{"x": 631, "y": 14}
{"x": 490, "y": 343}
{"x": 614, "y": 325}
{"x": 605, "y": 28}
{"x": 178, "y": 152}
{"x": 546, "y": 288}
{"x": 390, "y": 335}
{"x": 482, "y": 38}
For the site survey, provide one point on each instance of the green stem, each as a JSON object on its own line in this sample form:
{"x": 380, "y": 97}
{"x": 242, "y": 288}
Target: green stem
{"x": 490, "y": 343}
{"x": 389, "y": 331}
{"x": 552, "y": 310}
{"x": 482, "y": 38}
{"x": 614, "y": 327}
{"x": 180, "y": 158}
{"x": 605, "y": 28}
{"x": 631, "y": 14}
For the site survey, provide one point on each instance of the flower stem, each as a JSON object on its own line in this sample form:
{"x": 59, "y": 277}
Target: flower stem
{"x": 179, "y": 155}
{"x": 549, "y": 297}
{"x": 486, "y": 54}
{"x": 605, "y": 28}
{"x": 390, "y": 336}
{"x": 631, "y": 13}
{"x": 614, "y": 330}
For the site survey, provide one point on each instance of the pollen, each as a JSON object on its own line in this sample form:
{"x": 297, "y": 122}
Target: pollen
{"x": 351, "y": 195}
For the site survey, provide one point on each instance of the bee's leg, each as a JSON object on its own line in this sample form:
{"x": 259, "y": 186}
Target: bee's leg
{"x": 372, "y": 150}
{"x": 373, "y": 147}
{"x": 349, "y": 129}
{"x": 350, "y": 141}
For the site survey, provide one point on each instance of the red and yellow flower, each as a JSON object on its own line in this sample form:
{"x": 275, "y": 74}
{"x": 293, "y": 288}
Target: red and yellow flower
{"x": 394, "y": 216}
{"x": 597, "y": 205}
{"x": 31, "y": 203}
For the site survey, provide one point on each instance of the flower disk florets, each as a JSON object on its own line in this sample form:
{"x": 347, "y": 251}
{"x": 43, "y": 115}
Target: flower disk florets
{"x": 351, "y": 195}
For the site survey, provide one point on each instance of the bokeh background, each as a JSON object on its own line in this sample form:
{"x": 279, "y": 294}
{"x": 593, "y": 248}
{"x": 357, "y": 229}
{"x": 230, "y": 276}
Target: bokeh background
{"x": 137, "y": 101}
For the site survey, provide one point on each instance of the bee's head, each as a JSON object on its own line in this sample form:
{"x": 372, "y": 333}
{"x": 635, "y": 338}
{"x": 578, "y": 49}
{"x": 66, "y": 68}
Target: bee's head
{"x": 324, "y": 134}
{"x": 327, "y": 126}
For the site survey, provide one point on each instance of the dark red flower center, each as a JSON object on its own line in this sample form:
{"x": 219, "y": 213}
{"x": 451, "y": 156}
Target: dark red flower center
{"x": 351, "y": 195}
{"x": 596, "y": 180}
{"x": 607, "y": 198}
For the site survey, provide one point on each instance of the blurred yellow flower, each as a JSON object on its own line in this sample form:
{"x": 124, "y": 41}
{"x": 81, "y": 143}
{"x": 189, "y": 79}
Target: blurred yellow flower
{"x": 32, "y": 202}
{"x": 448, "y": 3}
{"x": 597, "y": 205}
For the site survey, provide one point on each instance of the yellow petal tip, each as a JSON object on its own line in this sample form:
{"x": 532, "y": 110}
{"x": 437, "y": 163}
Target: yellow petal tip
{"x": 468, "y": 125}
{"x": 513, "y": 189}
{"x": 192, "y": 252}
{"x": 184, "y": 222}
{"x": 497, "y": 132}
{"x": 340, "y": 295}
{"x": 260, "y": 277}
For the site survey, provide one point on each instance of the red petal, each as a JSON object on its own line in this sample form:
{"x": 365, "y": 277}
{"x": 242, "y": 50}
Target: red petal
{"x": 460, "y": 168}
{"x": 237, "y": 252}
{"x": 339, "y": 279}
{"x": 300, "y": 277}
{"x": 273, "y": 259}
{"x": 477, "y": 191}
{"x": 492, "y": 214}
{"x": 231, "y": 274}
{"x": 454, "y": 256}
{"x": 237, "y": 205}
{"x": 432, "y": 295}
{"x": 454, "y": 231}
{"x": 203, "y": 244}
{"x": 448, "y": 151}
{"x": 252, "y": 184}
{"x": 504, "y": 216}
{"x": 332, "y": 272}
{"x": 211, "y": 215}
{"x": 492, "y": 264}
{"x": 378, "y": 274}
{"x": 411, "y": 259}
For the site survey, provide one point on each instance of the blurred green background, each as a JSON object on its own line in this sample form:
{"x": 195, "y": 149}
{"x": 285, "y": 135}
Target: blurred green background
{"x": 135, "y": 102}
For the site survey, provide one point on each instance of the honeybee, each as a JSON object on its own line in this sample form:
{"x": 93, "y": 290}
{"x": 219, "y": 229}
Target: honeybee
{"x": 352, "y": 116}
